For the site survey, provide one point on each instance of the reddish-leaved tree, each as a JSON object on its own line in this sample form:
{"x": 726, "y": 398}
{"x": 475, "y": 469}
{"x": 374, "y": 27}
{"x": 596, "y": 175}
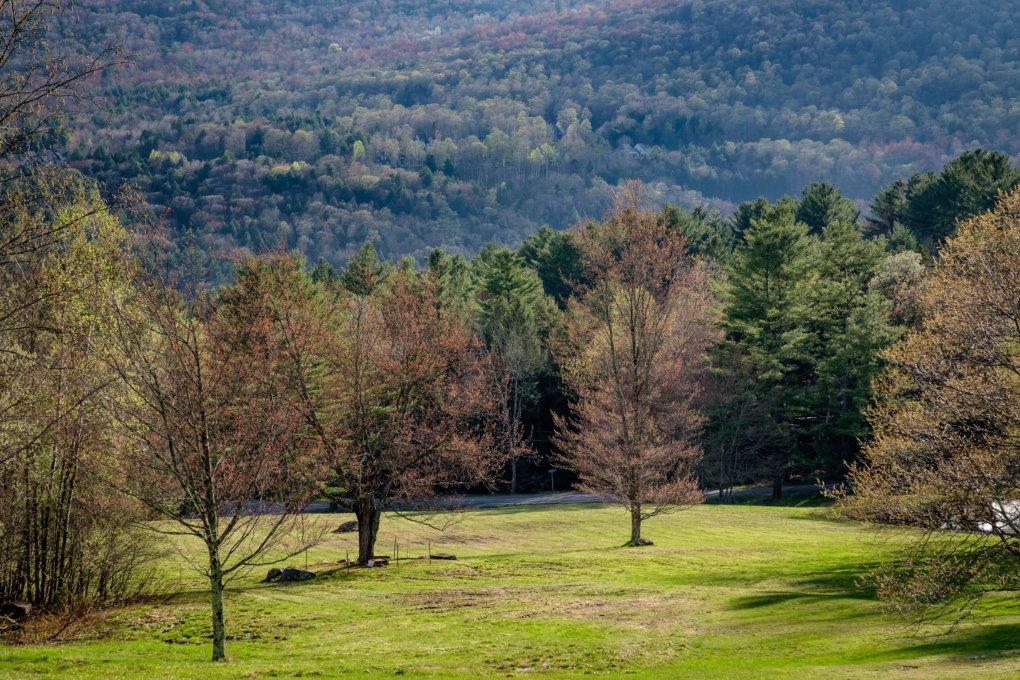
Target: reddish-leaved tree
{"x": 634, "y": 356}
{"x": 400, "y": 395}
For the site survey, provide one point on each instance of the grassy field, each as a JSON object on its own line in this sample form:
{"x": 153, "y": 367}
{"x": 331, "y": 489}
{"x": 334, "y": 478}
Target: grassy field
{"x": 726, "y": 592}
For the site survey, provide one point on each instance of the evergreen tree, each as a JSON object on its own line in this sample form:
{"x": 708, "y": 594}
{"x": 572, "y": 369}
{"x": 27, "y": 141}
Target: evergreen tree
{"x": 706, "y": 233}
{"x": 323, "y": 272}
{"x": 457, "y": 283}
{"x": 749, "y": 212}
{"x": 764, "y": 319}
{"x": 513, "y": 317}
{"x": 888, "y": 208}
{"x": 967, "y": 186}
{"x": 363, "y": 272}
{"x": 553, "y": 255}
{"x": 822, "y": 205}
{"x": 849, "y": 327}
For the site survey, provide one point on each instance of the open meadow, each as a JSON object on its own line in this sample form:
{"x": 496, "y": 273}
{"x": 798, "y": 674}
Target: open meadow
{"x": 726, "y": 592}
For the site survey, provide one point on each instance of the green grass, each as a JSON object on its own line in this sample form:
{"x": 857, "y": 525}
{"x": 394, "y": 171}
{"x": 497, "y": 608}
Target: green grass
{"x": 727, "y": 592}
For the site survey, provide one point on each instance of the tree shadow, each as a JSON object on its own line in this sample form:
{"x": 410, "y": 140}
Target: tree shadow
{"x": 837, "y": 584}
{"x": 973, "y": 642}
{"x": 811, "y": 499}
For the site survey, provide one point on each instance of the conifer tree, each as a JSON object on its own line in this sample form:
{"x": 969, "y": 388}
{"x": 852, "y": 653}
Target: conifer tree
{"x": 764, "y": 318}
{"x": 513, "y": 319}
{"x": 848, "y": 327}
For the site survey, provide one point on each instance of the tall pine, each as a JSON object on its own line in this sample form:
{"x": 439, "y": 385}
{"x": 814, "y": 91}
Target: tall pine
{"x": 764, "y": 321}
{"x": 848, "y": 325}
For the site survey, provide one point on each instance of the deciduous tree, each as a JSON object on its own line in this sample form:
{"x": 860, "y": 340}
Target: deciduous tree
{"x": 635, "y": 360}
{"x": 945, "y": 455}
{"x": 65, "y": 541}
{"x": 212, "y": 437}
{"x": 403, "y": 398}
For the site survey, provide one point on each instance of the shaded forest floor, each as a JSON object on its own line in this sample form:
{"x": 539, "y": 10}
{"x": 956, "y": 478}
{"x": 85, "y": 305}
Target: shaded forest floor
{"x": 745, "y": 591}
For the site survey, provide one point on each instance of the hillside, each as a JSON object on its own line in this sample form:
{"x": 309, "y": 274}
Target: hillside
{"x": 320, "y": 125}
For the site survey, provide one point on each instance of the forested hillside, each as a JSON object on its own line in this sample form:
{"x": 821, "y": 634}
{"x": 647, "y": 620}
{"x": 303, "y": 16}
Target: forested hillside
{"x": 320, "y": 125}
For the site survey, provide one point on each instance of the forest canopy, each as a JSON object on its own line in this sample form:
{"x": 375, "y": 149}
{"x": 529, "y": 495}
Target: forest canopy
{"x": 321, "y": 126}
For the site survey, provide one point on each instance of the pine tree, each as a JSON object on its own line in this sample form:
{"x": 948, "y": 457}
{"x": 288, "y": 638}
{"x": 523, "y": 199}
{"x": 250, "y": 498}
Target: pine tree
{"x": 823, "y": 205}
{"x": 764, "y": 320}
{"x": 848, "y": 324}
{"x": 513, "y": 318}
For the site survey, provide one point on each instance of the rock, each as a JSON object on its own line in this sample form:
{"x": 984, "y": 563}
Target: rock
{"x": 288, "y": 574}
{"x": 642, "y": 541}
{"x": 443, "y": 556}
{"x": 297, "y": 575}
{"x": 16, "y": 611}
{"x": 379, "y": 561}
{"x": 347, "y": 527}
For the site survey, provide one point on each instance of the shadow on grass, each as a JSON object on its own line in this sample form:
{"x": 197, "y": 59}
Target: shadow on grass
{"x": 793, "y": 500}
{"x": 845, "y": 583}
{"x": 974, "y": 642}
{"x": 532, "y": 507}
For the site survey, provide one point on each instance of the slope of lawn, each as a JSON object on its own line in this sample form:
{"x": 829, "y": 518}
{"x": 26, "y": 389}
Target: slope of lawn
{"x": 726, "y": 592}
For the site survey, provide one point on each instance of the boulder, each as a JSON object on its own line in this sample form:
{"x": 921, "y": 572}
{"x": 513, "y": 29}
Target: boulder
{"x": 288, "y": 574}
{"x": 347, "y": 527}
{"x": 16, "y": 611}
{"x": 642, "y": 541}
{"x": 297, "y": 575}
{"x": 443, "y": 556}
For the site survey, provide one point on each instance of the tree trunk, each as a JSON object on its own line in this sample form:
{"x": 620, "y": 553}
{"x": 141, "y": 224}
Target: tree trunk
{"x": 635, "y": 524}
{"x": 218, "y": 625}
{"x": 777, "y": 486}
{"x": 369, "y": 513}
{"x": 513, "y": 474}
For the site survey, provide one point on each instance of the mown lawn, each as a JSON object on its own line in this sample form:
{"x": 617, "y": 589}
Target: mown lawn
{"x": 726, "y": 592}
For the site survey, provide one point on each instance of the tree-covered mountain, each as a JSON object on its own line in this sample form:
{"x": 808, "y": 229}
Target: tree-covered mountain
{"x": 322, "y": 125}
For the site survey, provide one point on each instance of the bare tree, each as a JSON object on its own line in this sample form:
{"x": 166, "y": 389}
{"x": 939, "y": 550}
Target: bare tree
{"x": 212, "y": 437}
{"x": 635, "y": 358}
{"x": 41, "y": 76}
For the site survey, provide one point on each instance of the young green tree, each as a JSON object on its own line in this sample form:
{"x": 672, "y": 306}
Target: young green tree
{"x": 65, "y": 541}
